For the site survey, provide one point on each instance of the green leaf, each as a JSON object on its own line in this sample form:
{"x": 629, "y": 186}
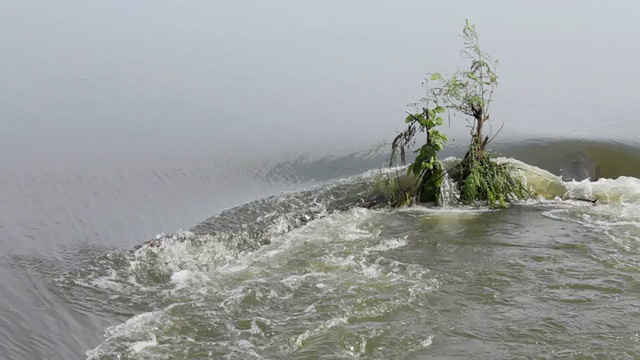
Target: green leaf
{"x": 439, "y": 109}
{"x": 417, "y": 170}
{"x": 436, "y": 76}
{"x": 429, "y": 153}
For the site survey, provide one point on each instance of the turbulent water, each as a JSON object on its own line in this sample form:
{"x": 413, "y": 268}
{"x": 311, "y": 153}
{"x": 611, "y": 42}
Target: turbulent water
{"x": 301, "y": 275}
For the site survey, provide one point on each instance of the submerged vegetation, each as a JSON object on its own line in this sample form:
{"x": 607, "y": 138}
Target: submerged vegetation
{"x": 478, "y": 176}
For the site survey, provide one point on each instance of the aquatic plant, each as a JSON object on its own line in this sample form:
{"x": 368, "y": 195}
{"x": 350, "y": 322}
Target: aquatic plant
{"x": 470, "y": 93}
{"x": 426, "y": 167}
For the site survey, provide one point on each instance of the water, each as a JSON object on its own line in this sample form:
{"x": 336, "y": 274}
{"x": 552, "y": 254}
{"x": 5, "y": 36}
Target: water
{"x": 540, "y": 279}
{"x": 293, "y": 276}
{"x": 122, "y": 121}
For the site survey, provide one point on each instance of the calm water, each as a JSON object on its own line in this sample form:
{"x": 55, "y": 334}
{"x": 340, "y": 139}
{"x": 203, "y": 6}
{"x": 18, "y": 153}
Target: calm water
{"x": 121, "y": 121}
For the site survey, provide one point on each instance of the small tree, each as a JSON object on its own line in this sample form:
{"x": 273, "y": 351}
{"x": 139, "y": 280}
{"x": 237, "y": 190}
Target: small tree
{"x": 426, "y": 167}
{"x": 470, "y": 93}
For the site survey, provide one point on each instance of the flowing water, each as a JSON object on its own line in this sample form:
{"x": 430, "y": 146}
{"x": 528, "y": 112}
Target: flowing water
{"x": 301, "y": 275}
{"x": 123, "y": 122}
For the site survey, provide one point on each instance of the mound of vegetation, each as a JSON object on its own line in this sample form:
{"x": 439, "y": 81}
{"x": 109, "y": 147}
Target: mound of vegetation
{"x": 478, "y": 176}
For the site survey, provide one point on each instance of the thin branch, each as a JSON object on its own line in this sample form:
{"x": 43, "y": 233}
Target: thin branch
{"x": 498, "y": 132}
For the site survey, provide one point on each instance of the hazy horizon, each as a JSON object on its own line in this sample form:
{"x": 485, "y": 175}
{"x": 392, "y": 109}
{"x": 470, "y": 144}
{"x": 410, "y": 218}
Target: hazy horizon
{"x": 120, "y": 78}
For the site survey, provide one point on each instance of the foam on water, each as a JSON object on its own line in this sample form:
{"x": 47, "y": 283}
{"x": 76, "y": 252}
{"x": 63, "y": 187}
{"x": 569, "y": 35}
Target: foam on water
{"x": 617, "y": 203}
{"x": 338, "y": 250}
{"x": 621, "y": 190}
{"x": 141, "y": 345}
{"x": 428, "y": 341}
{"x": 460, "y": 210}
{"x": 293, "y": 282}
{"x": 135, "y": 330}
{"x": 387, "y": 244}
{"x": 308, "y": 282}
{"x": 326, "y": 326}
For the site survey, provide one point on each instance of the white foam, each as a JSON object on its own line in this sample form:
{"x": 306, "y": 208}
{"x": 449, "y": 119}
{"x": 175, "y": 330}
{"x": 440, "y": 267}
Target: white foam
{"x": 293, "y": 282}
{"x": 345, "y": 261}
{"x": 337, "y": 321}
{"x": 184, "y": 251}
{"x": 188, "y": 279}
{"x": 388, "y": 245}
{"x": 136, "y": 347}
{"x": 255, "y": 329}
{"x": 600, "y": 216}
{"x": 446, "y": 211}
{"x": 427, "y": 342}
{"x": 555, "y": 214}
{"x": 624, "y": 189}
{"x": 137, "y": 326}
{"x": 349, "y": 228}
{"x": 311, "y": 309}
{"x": 186, "y": 260}
{"x": 372, "y": 271}
{"x": 180, "y": 277}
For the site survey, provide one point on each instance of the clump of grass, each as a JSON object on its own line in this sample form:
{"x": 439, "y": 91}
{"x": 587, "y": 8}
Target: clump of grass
{"x": 483, "y": 179}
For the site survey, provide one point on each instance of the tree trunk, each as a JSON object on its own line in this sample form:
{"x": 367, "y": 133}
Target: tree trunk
{"x": 480, "y": 141}
{"x": 479, "y": 136}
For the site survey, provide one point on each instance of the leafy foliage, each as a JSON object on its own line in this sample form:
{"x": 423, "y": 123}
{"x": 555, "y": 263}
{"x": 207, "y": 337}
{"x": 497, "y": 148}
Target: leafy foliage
{"x": 470, "y": 93}
{"x": 483, "y": 179}
{"x": 425, "y": 167}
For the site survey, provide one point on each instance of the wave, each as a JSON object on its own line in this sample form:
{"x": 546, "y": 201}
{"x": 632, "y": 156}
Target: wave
{"x": 246, "y": 228}
{"x": 207, "y": 277}
{"x": 563, "y": 169}
{"x": 572, "y": 159}
{"x": 228, "y": 307}
{"x": 577, "y": 159}
{"x": 159, "y": 282}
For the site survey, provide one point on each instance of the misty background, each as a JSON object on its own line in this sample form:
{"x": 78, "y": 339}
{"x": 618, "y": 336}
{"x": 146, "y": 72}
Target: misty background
{"x": 131, "y": 79}
{"x": 167, "y": 112}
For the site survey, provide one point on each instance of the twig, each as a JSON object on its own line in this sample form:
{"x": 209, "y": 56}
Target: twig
{"x": 497, "y": 132}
